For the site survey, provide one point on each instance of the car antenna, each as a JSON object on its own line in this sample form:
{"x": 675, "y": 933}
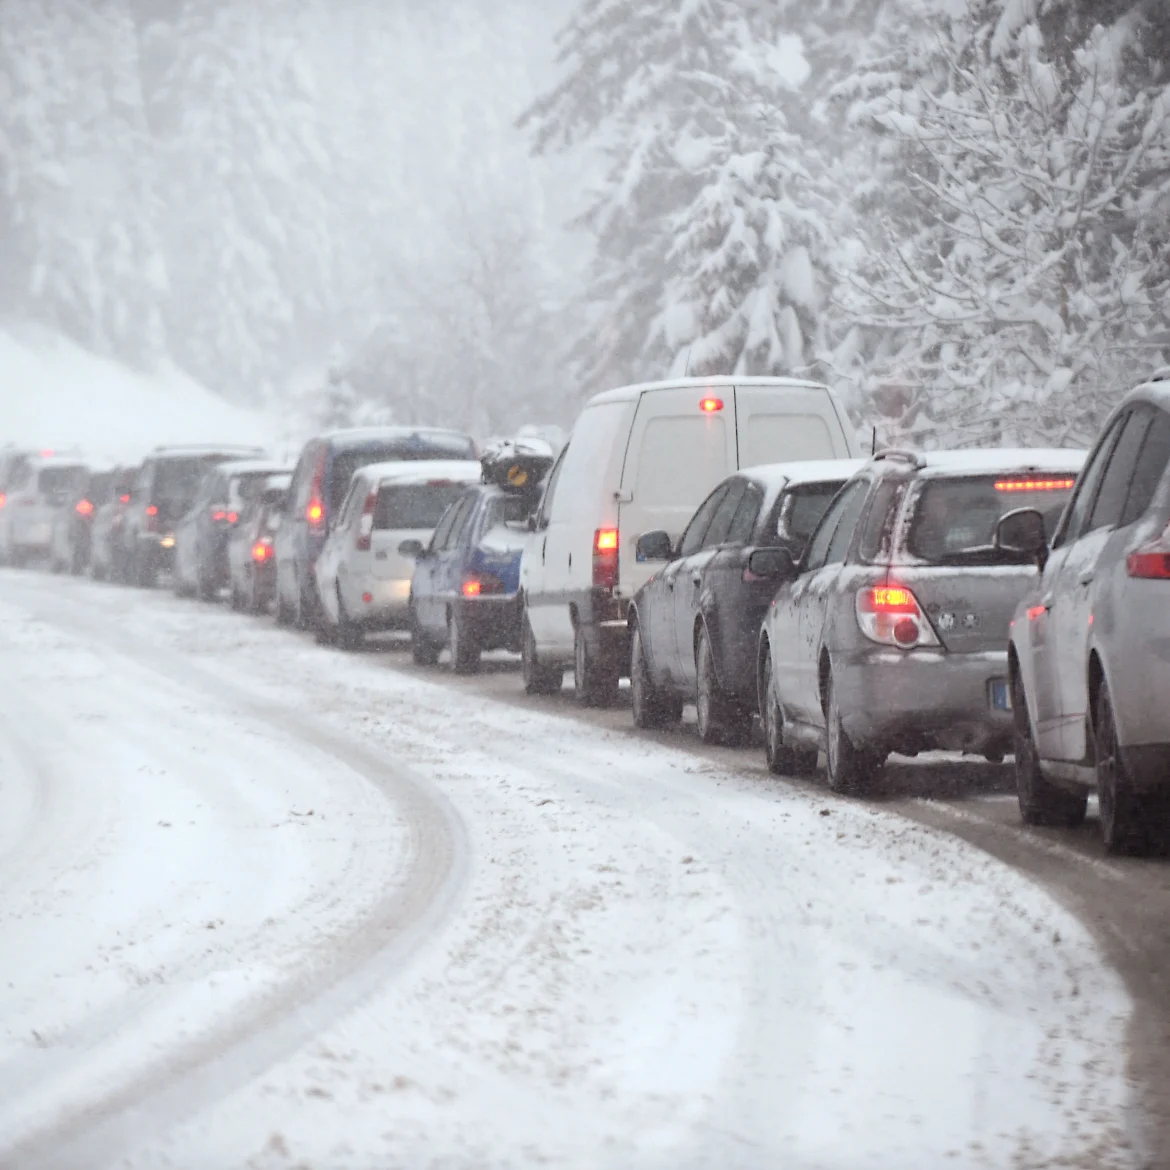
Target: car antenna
{"x": 873, "y": 444}
{"x": 687, "y": 367}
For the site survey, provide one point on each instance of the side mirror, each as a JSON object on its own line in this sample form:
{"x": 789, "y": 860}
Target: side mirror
{"x": 410, "y": 548}
{"x": 654, "y": 546}
{"x": 772, "y": 564}
{"x": 1023, "y": 533}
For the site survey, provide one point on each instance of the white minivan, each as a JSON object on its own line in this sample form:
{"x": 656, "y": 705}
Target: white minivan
{"x": 642, "y": 458}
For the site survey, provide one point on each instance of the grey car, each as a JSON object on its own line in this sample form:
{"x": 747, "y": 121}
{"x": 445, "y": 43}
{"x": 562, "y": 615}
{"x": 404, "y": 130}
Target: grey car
{"x": 891, "y": 633}
{"x": 1089, "y": 660}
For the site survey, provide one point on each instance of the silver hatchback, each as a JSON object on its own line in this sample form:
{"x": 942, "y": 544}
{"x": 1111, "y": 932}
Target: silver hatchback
{"x": 1090, "y": 643}
{"x": 891, "y": 634}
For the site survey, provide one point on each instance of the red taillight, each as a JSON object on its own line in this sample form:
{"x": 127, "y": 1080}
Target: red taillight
{"x": 84, "y": 508}
{"x": 710, "y": 405}
{"x": 151, "y": 517}
{"x": 219, "y": 514}
{"x": 261, "y": 552}
{"x": 47, "y": 453}
{"x": 151, "y": 509}
{"x": 366, "y": 523}
{"x": 315, "y": 513}
{"x": 891, "y": 615}
{"x": 1035, "y": 485}
{"x": 472, "y": 588}
{"x": 605, "y": 558}
{"x": 232, "y": 517}
{"x": 124, "y": 499}
{"x": 1151, "y": 563}
{"x": 3, "y": 499}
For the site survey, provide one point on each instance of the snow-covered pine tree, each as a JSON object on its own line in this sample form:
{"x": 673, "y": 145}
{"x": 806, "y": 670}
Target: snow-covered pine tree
{"x": 709, "y": 229}
{"x": 1024, "y": 293}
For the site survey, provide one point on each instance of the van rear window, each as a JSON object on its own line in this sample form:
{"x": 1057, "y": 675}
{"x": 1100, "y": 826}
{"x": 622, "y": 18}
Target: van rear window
{"x": 954, "y": 520}
{"x": 415, "y": 505}
{"x": 680, "y": 456}
{"x": 59, "y": 481}
{"x": 779, "y": 438}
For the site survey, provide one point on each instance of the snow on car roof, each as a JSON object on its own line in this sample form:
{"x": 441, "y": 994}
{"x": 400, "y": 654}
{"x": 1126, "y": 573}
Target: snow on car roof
{"x": 254, "y": 466}
{"x": 804, "y": 471}
{"x": 203, "y": 450}
{"x": 993, "y": 459}
{"x": 625, "y": 393}
{"x": 422, "y": 470}
{"x": 374, "y": 434}
{"x": 1156, "y": 390}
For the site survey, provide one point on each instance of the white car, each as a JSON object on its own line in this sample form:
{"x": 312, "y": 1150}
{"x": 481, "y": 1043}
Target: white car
{"x": 37, "y": 487}
{"x": 641, "y": 459}
{"x": 363, "y": 580}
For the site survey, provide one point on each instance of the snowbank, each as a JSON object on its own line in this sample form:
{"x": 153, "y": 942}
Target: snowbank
{"x": 53, "y": 393}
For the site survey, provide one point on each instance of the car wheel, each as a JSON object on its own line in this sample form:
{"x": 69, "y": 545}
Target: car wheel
{"x": 783, "y": 759}
{"x": 306, "y": 612}
{"x": 538, "y": 678}
{"x": 1041, "y": 802}
{"x": 1127, "y": 818}
{"x": 596, "y": 683}
{"x": 284, "y": 613}
{"x": 97, "y": 570}
{"x": 653, "y": 707}
{"x": 423, "y": 651}
{"x": 462, "y": 643}
{"x": 350, "y": 635}
{"x": 851, "y": 769}
{"x": 721, "y": 718}
{"x": 204, "y": 587}
{"x": 144, "y": 570}
{"x": 76, "y": 563}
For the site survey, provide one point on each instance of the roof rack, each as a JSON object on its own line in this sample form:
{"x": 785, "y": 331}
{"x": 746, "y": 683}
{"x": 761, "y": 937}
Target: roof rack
{"x": 911, "y": 457}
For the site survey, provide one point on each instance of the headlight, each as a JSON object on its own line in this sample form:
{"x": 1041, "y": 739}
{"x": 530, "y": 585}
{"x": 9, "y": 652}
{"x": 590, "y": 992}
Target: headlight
{"x": 167, "y": 542}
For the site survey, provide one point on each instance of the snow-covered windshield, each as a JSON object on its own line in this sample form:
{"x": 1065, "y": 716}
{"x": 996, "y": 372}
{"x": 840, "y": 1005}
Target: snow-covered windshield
{"x": 414, "y": 506}
{"x": 955, "y": 519}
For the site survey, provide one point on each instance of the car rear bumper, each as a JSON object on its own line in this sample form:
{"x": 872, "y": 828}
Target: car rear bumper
{"x": 923, "y": 699}
{"x": 495, "y": 620}
{"x": 388, "y": 607}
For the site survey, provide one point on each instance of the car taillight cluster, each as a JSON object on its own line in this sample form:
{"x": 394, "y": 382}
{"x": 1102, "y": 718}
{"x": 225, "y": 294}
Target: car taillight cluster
{"x": 3, "y": 499}
{"x": 1151, "y": 561}
{"x": 366, "y": 523}
{"x": 83, "y": 508}
{"x": 605, "y": 558}
{"x": 222, "y": 517}
{"x": 480, "y": 584}
{"x": 262, "y": 551}
{"x": 890, "y": 614}
{"x": 151, "y": 513}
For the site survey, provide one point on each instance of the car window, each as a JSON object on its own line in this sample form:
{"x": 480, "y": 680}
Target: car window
{"x": 744, "y": 521}
{"x": 1086, "y": 489}
{"x": 414, "y": 505}
{"x": 1110, "y": 501}
{"x": 443, "y": 530}
{"x": 466, "y": 507}
{"x": 847, "y": 525}
{"x": 19, "y": 476}
{"x": 1151, "y": 467}
{"x": 506, "y": 510}
{"x": 302, "y": 486}
{"x": 877, "y": 538}
{"x": 818, "y": 549}
{"x": 798, "y": 511}
{"x": 720, "y": 524}
{"x": 692, "y": 537}
{"x": 349, "y": 506}
{"x": 550, "y": 489}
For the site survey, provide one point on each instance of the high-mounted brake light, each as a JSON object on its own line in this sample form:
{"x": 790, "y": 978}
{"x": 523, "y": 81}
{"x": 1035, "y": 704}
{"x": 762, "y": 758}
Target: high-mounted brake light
{"x": 261, "y": 551}
{"x": 315, "y": 513}
{"x": 1035, "y": 485}
{"x": 890, "y": 614}
{"x": 710, "y": 405}
{"x": 366, "y": 523}
{"x": 47, "y": 453}
{"x": 84, "y": 508}
{"x": 605, "y": 558}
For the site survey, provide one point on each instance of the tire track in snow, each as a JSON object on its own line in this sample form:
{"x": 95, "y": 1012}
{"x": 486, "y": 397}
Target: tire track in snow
{"x": 235, "y": 1050}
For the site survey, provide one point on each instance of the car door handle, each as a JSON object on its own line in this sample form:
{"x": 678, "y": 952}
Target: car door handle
{"x": 696, "y": 579}
{"x": 1047, "y": 600}
{"x": 1086, "y": 578}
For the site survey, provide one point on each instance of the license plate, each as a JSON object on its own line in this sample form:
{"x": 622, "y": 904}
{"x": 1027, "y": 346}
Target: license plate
{"x": 1001, "y": 695}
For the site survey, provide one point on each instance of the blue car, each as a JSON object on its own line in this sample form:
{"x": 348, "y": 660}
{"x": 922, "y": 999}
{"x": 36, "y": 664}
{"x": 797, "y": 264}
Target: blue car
{"x": 465, "y": 594}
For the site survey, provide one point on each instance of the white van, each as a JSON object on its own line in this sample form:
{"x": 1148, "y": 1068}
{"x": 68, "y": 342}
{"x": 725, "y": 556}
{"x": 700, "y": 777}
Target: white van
{"x": 638, "y": 459}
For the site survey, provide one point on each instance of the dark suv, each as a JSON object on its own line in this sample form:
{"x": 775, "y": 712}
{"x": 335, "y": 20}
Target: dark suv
{"x": 164, "y": 491}
{"x": 320, "y": 483}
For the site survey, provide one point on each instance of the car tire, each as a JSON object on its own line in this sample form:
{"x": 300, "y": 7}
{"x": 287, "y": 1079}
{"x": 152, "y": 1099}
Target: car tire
{"x": 306, "y": 612}
{"x": 144, "y": 571}
{"x": 851, "y": 770}
{"x": 653, "y": 707}
{"x": 204, "y": 588}
{"x": 423, "y": 651}
{"x": 722, "y": 719}
{"x": 538, "y": 678}
{"x": 235, "y": 596}
{"x": 1129, "y": 819}
{"x": 595, "y": 682}
{"x": 284, "y": 613}
{"x": 97, "y": 571}
{"x": 462, "y": 643}
{"x": 76, "y": 563}
{"x": 1041, "y": 801}
{"x": 783, "y": 759}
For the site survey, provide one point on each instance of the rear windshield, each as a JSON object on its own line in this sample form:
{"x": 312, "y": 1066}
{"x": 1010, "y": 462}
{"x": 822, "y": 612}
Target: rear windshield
{"x": 800, "y": 510}
{"x": 954, "y": 519}
{"x": 508, "y": 509}
{"x": 245, "y": 486}
{"x": 416, "y": 505}
{"x": 59, "y": 481}
{"x": 179, "y": 479}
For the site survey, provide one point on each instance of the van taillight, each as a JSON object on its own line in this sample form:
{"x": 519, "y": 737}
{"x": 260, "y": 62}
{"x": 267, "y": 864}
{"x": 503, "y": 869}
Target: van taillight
{"x": 710, "y": 405}
{"x": 605, "y": 558}
{"x": 315, "y": 513}
{"x": 366, "y": 523}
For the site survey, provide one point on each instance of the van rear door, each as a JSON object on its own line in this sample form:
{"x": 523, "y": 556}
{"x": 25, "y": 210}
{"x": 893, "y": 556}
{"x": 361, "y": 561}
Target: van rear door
{"x": 681, "y": 445}
{"x": 778, "y": 424}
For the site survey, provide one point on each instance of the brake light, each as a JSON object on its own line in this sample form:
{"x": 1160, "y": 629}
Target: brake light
{"x": 315, "y": 513}
{"x": 232, "y": 517}
{"x": 366, "y": 523}
{"x": 605, "y": 558}
{"x": 1034, "y": 485}
{"x": 152, "y": 509}
{"x": 84, "y": 508}
{"x": 472, "y": 588}
{"x": 219, "y": 514}
{"x": 710, "y": 405}
{"x": 480, "y": 584}
{"x": 124, "y": 499}
{"x": 151, "y": 517}
{"x": 47, "y": 453}
{"x": 261, "y": 551}
{"x": 1151, "y": 561}
{"x": 890, "y": 614}
{"x": 3, "y": 499}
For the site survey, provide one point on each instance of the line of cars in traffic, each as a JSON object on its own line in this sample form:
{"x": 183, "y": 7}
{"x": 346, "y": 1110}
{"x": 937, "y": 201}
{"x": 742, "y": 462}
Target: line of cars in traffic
{"x": 718, "y": 541}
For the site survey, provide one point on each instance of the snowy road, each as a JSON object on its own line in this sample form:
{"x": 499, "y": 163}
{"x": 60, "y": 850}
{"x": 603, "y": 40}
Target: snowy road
{"x": 266, "y": 905}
